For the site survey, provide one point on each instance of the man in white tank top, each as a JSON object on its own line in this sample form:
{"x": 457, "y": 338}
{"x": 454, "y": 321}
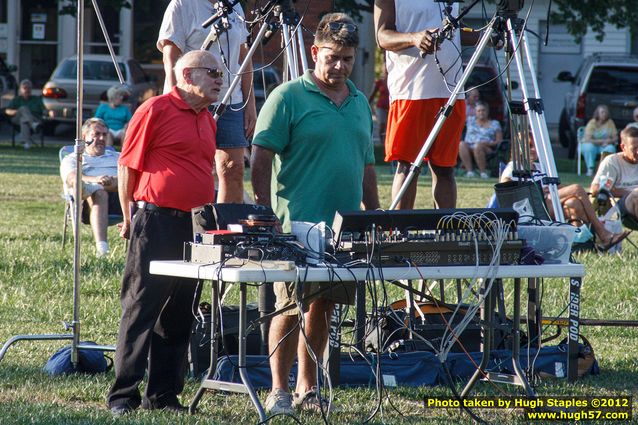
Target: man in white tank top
{"x": 418, "y": 90}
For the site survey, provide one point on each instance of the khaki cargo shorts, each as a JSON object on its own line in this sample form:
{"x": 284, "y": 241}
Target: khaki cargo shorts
{"x": 337, "y": 292}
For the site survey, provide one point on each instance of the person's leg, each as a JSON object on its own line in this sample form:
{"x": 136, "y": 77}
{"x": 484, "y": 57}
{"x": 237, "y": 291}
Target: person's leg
{"x": 316, "y": 326}
{"x": 24, "y": 119}
{"x": 171, "y": 332}
{"x": 631, "y": 203}
{"x": 142, "y": 298}
{"x": 577, "y": 206}
{"x": 443, "y": 186}
{"x": 229, "y": 164}
{"x": 169, "y": 344}
{"x": 282, "y": 349}
{"x": 99, "y": 216}
{"x": 229, "y": 157}
{"x": 590, "y": 151}
{"x": 282, "y": 345}
{"x": 465, "y": 153}
{"x": 481, "y": 150}
{"x": 608, "y": 149}
{"x": 110, "y": 138}
{"x": 408, "y": 198}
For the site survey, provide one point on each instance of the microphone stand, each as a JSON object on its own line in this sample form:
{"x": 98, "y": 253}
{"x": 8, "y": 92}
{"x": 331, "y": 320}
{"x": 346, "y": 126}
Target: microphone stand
{"x": 533, "y": 106}
{"x": 295, "y": 51}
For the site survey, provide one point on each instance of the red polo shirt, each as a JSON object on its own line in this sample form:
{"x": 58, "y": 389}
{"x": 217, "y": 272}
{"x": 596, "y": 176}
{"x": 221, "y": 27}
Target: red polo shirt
{"x": 173, "y": 147}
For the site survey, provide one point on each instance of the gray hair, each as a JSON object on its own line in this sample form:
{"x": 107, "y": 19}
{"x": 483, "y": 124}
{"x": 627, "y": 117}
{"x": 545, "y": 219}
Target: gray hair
{"x": 341, "y": 37}
{"x": 86, "y": 127}
{"x": 26, "y": 82}
{"x": 114, "y": 91}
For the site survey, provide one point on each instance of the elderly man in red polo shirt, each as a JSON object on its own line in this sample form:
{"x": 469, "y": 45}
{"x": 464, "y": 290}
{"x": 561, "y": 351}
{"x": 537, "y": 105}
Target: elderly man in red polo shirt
{"x": 165, "y": 169}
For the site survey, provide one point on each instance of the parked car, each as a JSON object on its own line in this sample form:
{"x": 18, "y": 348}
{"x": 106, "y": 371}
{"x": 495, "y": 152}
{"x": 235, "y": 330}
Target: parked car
{"x": 272, "y": 78}
{"x": 59, "y": 93}
{"x": 602, "y": 78}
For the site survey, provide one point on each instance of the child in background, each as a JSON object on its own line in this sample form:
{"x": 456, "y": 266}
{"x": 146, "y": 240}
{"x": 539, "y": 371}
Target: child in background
{"x": 115, "y": 114}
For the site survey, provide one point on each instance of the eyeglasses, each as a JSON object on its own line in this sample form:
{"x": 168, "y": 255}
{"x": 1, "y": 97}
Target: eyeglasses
{"x": 211, "y": 72}
{"x": 338, "y": 26}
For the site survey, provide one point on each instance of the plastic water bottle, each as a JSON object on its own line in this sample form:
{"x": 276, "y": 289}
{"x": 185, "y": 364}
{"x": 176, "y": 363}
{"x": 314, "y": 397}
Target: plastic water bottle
{"x": 604, "y": 189}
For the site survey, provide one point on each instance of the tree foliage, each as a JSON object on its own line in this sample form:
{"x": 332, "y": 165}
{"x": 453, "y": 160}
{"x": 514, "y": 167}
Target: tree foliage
{"x": 579, "y": 15}
{"x": 354, "y": 7}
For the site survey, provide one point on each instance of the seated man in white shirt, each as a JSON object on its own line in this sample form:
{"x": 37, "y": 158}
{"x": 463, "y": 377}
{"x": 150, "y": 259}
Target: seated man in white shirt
{"x": 620, "y": 173}
{"x": 99, "y": 179}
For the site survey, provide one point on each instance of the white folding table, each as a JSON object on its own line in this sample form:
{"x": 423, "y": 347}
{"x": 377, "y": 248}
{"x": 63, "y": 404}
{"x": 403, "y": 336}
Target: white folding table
{"x": 273, "y": 272}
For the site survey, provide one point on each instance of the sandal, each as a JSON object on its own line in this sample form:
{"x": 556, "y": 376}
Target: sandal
{"x": 615, "y": 240}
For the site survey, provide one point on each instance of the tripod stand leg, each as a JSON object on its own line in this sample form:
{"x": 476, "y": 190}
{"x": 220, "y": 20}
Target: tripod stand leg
{"x": 534, "y": 108}
{"x": 17, "y": 338}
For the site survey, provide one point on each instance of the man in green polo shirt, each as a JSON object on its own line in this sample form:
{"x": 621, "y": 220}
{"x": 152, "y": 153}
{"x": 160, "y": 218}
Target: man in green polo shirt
{"x": 313, "y": 155}
{"x": 25, "y": 111}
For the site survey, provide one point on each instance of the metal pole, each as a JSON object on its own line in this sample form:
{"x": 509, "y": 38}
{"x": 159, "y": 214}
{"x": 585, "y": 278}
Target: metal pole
{"x": 302, "y": 49}
{"x": 79, "y": 150}
{"x": 108, "y": 41}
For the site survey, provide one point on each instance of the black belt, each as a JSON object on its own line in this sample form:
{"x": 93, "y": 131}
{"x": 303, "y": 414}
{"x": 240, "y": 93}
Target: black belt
{"x": 143, "y": 205}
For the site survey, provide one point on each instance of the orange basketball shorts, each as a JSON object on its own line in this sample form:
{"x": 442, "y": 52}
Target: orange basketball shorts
{"x": 409, "y": 125}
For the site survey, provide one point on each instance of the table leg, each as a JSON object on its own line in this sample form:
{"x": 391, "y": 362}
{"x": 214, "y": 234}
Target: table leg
{"x": 360, "y": 315}
{"x": 242, "y": 353}
{"x": 574, "y": 328}
{"x": 516, "y": 343}
{"x": 487, "y": 313}
{"x": 214, "y": 336}
{"x": 533, "y": 313}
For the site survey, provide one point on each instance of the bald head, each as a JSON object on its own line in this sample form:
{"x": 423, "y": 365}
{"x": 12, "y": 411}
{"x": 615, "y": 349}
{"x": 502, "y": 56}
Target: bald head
{"x": 198, "y": 78}
{"x": 193, "y": 59}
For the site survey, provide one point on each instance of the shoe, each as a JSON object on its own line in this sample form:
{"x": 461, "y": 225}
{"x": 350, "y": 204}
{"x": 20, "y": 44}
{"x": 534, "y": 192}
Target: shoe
{"x": 279, "y": 402}
{"x": 121, "y": 410}
{"x": 590, "y": 172}
{"x": 311, "y": 402}
{"x": 484, "y": 175}
{"x": 615, "y": 240}
{"x": 27, "y": 146}
{"x": 173, "y": 406}
{"x": 101, "y": 249}
{"x": 470, "y": 174}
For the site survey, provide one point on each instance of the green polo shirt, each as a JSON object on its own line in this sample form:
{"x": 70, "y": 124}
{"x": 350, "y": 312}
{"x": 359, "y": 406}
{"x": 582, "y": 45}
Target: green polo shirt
{"x": 34, "y": 103}
{"x": 321, "y": 150}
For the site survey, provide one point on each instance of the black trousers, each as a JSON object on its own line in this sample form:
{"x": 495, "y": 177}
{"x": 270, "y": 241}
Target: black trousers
{"x": 156, "y": 314}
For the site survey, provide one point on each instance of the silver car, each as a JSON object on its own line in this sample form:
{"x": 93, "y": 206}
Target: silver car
{"x": 59, "y": 93}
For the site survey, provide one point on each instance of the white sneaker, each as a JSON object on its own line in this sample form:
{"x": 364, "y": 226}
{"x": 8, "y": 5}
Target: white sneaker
{"x": 279, "y": 402}
{"x": 590, "y": 172}
{"x": 470, "y": 174}
{"x": 27, "y": 146}
{"x": 484, "y": 175}
{"x": 311, "y": 402}
{"x": 102, "y": 248}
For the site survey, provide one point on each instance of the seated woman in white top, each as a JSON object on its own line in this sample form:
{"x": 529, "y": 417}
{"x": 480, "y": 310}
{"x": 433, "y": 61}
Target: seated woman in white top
{"x": 482, "y": 136}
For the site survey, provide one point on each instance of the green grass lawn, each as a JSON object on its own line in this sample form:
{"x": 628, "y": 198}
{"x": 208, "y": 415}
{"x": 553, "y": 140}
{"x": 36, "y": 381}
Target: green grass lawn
{"x": 36, "y": 295}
